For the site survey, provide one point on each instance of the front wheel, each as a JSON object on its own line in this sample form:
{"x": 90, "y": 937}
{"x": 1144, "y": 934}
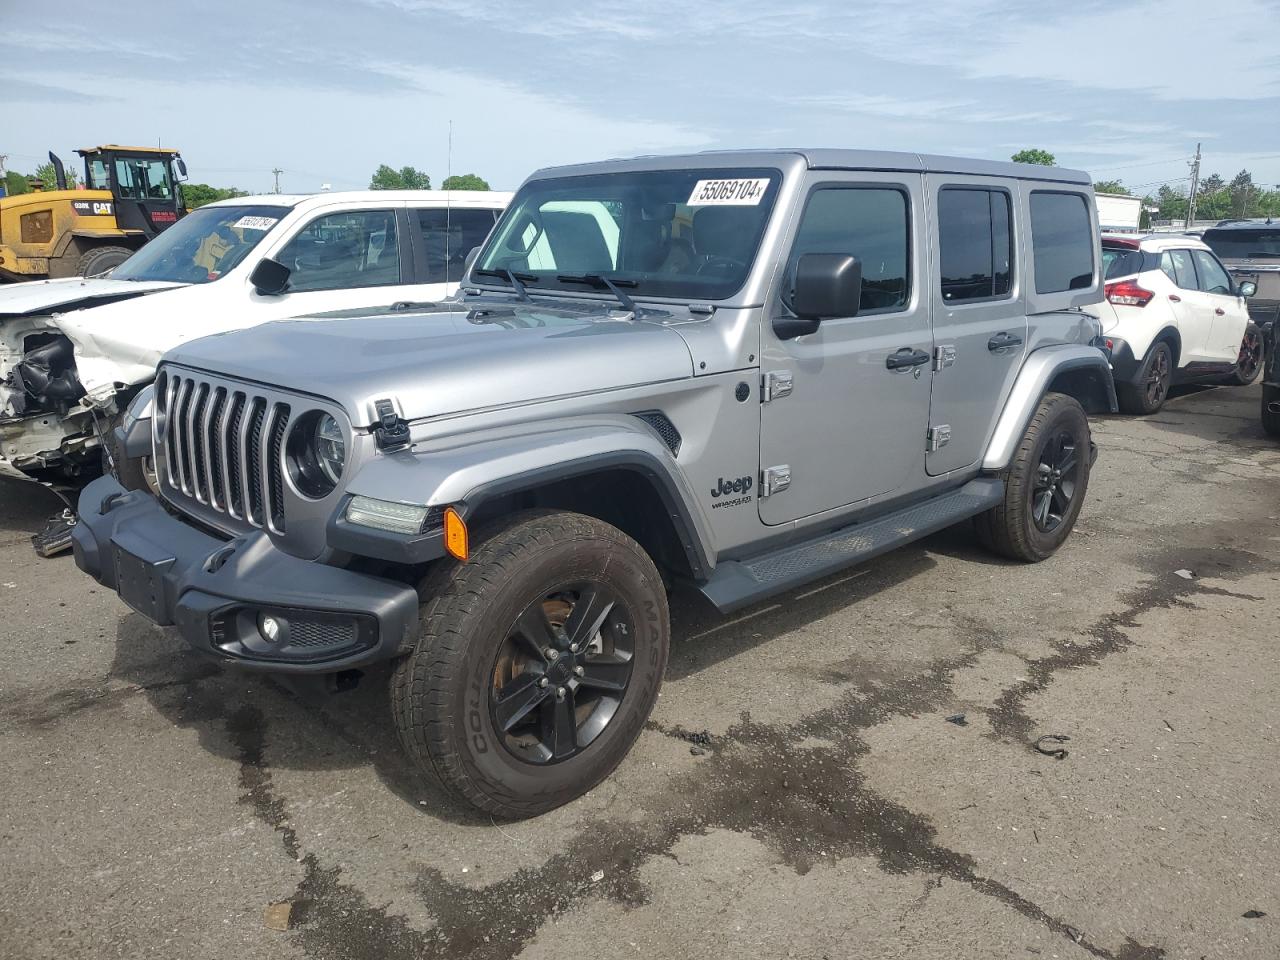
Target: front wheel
{"x": 101, "y": 260}
{"x": 537, "y": 663}
{"x": 1045, "y": 486}
{"x": 1249, "y": 361}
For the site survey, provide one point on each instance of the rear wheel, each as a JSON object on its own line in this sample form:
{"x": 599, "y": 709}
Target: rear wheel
{"x": 1271, "y": 409}
{"x": 538, "y": 662}
{"x": 100, "y": 260}
{"x": 1249, "y": 362}
{"x": 1045, "y": 486}
{"x": 1149, "y": 393}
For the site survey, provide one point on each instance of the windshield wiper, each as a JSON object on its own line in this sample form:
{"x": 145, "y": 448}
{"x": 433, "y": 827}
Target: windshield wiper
{"x": 517, "y": 280}
{"x": 595, "y": 280}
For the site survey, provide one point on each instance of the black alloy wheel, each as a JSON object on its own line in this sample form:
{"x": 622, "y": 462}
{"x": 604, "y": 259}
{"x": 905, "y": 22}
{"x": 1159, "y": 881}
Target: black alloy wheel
{"x": 1156, "y": 382}
{"x": 1249, "y": 361}
{"x": 1056, "y": 480}
{"x": 560, "y": 675}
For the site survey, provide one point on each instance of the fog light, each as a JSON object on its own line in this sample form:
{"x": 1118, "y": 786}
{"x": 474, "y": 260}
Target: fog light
{"x": 269, "y": 627}
{"x": 386, "y": 515}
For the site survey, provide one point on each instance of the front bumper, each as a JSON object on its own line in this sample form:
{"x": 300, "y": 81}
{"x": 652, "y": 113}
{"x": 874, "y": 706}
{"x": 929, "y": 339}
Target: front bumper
{"x": 217, "y": 592}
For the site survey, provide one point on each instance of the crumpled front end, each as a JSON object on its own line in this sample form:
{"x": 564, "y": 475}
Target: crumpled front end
{"x": 48, "y": 426}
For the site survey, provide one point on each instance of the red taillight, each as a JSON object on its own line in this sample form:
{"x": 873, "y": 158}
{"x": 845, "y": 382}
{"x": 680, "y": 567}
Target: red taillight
{"x": 1126, "y": 293}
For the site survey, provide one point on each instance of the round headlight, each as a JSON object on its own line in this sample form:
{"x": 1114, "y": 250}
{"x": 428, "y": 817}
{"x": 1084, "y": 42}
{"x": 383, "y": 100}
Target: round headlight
{"x": 331, "y": 450}
{"x": 316, "y": 453}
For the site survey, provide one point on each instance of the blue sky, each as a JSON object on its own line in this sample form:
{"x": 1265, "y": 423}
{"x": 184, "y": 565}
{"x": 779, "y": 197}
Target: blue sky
{"x": 328, "y": 89}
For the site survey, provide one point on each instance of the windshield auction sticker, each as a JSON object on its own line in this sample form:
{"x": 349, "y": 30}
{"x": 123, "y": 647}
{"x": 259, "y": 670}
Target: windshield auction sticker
{"x": 728, "y": 193}
{"x": 255, "y": 223}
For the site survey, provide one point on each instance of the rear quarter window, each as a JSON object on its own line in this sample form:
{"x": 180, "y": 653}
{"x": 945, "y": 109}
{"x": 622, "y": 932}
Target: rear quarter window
{"x": 1061, "y": 241}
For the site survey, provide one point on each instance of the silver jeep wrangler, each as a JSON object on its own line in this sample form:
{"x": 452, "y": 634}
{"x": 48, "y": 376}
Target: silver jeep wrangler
{"x": 738, "y": 371}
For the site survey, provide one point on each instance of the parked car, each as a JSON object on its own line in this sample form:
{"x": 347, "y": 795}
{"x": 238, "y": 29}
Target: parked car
{"x": 74, "y": 351}
{"x": 1173, "y": 314}
{"x": 1250, "y": 250}
{"x": 741, "y": 371}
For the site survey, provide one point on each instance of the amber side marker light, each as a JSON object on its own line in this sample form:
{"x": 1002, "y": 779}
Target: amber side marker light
{"x": 455, "y": 535}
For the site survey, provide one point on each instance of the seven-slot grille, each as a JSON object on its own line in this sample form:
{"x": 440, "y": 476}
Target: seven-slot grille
{"x": 223, "y": 446}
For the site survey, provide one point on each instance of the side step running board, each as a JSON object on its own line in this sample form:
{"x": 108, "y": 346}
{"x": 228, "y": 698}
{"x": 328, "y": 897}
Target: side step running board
{"x": 736, "y": 583}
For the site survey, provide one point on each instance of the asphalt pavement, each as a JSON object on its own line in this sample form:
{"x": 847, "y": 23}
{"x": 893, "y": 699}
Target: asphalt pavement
{"x": 850, "y": 771}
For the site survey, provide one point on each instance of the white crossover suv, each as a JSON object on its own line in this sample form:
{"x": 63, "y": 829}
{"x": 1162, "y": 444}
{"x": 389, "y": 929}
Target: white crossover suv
{"x": 1173, "y": 314}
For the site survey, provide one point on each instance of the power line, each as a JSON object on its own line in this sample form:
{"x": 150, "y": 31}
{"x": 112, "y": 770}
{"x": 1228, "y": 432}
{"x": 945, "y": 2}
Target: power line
{"x": 1148, "y": 163}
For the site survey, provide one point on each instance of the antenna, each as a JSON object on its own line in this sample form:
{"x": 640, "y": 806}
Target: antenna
{"x": 448, "y": 207}
{"x": 277, "y": 171}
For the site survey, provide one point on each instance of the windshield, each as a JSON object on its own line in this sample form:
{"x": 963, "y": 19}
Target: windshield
{"x": 684, "y": 234}
{"x": 1238, "y": 244}
{"x": 202, "y": 246}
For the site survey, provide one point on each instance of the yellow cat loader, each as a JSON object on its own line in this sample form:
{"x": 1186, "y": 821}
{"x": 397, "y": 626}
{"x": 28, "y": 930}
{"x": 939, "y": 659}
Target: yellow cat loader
{"x": 130, "y": 195}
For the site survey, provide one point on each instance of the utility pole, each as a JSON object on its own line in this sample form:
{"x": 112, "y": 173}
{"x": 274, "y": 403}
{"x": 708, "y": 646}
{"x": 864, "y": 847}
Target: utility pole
{"x": 277, "y": 171}
{"x": 1195, "y": 185}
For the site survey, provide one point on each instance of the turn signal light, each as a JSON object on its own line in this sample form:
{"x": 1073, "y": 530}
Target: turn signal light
{"x": 1126, "y": 293}
{"x": 455, "y": 535}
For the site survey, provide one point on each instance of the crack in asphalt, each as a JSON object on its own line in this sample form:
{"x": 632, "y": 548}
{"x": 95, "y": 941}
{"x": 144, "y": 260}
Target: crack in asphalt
{"x": 809, "y": 805}
{"x": 1110, "y": 634}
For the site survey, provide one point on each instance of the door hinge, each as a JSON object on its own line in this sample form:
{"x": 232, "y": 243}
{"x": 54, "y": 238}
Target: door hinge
{"x": 776, "y": 384}
{"x": 774, "y": 479}
{"x": 938, "y": 437}
{"x": 943, "y": 356}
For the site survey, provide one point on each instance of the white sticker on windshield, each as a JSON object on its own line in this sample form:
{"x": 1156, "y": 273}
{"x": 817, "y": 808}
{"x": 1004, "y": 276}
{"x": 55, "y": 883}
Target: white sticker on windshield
{"x": 730, "y": 193}
{"x": 256, "y": 223}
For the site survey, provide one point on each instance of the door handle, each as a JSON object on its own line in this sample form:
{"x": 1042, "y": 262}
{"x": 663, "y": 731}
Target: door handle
{"x": 1218, "y": 311}
{"x": 906, "y": 357}
{"x": 1002, "y": 340}
{"x": 1175, "y": 298}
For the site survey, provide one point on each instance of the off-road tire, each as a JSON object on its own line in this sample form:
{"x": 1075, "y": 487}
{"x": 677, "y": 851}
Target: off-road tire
{"x": 1136, "y": 399}
{"x": 1270, "y": 417}
{"x": 1245, "y": 373}
{"x": 440, "y": 691}
{"x": 1009, "y": 529}
{"x": 99, "y": 260}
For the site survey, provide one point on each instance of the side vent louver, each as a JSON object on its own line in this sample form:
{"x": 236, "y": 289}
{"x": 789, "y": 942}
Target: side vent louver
{"x": 664, "y": 427}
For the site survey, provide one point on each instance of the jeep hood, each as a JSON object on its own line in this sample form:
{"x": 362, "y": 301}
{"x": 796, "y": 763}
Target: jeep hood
{"x": 447, "y": 360}
{"x": 71, "y": 293}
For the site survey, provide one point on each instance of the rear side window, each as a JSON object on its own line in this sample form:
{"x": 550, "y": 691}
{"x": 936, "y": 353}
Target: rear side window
{"x": 1061, "y": 241}
{"x": 1213, "y": 278}
{"x": 1121, "y": 262}
{"x": 870, "y": 223}
{"x": 975, "y": 244}
{"x": 449, "y": 236}
{"x": 1176, "y": 265}
{"x": 344, "y": 250}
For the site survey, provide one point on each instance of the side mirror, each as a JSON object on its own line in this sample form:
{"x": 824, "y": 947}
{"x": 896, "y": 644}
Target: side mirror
{"x": 270, "y": 277}
{"x": 182, "y": 167}
{"x": 1246, "y": 288}
{"x": 471, "y": 259}
{"x": 826, "y": 285}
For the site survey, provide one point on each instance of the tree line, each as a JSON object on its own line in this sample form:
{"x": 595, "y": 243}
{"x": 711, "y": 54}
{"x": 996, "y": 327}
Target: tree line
{"x": 198, "y": 194}
{"x": 410, "y": 178}
{"x": 1216, "y": 197}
